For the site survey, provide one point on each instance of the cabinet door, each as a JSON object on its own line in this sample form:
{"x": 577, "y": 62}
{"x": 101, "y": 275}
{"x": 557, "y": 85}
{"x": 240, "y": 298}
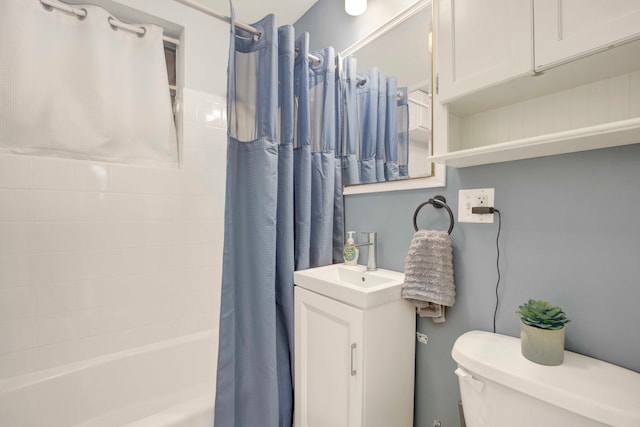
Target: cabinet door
{"x": 481, "y": 43}
{"x": 568, "y": 29}
{"x": 328, "y": 362}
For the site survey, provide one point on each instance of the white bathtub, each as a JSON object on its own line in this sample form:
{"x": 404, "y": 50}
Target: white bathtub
{"x": 171, "y": 383}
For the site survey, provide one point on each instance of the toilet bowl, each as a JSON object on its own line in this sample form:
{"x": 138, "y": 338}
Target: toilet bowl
{"x": 500, "y": 388}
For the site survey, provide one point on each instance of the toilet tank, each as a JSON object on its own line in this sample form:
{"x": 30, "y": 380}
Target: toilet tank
{"x": 500, "y": 388}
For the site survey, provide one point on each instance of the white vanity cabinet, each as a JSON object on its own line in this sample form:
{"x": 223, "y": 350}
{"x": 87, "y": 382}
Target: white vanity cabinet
{"x": 353, "y": 367}
{"x": 522, "y": 79}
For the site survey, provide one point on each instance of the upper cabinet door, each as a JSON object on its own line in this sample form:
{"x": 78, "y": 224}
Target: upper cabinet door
{"x": 481, "y": 43}
{"x": 568, "y": 29}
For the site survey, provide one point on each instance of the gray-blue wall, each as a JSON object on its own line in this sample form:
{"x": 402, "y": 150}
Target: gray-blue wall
{"x": 570, "y": 234}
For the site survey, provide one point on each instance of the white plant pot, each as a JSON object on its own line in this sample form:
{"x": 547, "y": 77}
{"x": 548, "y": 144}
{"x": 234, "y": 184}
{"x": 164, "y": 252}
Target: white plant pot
{"x": 542, "y": 346}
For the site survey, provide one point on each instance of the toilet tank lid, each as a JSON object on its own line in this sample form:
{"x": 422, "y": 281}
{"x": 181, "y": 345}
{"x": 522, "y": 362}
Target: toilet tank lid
{"x": 595, "y": 389}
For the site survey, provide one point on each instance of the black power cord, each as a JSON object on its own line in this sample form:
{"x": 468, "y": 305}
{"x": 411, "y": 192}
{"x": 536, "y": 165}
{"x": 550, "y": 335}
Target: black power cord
{"x": 488, "y": 210}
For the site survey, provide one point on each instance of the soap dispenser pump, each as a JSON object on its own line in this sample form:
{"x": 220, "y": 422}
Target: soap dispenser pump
{"x": 350, "y": 252}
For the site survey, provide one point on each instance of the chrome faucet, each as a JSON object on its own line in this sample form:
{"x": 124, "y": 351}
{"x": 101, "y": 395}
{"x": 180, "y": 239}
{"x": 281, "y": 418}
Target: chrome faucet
{"x": 372, "y": 243}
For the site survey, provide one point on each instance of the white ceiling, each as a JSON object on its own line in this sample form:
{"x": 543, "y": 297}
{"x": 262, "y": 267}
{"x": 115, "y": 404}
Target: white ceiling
{"x": 248, "y": 11}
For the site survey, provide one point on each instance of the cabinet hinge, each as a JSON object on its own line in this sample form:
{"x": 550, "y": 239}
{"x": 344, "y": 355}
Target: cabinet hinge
{"x": 437, "y": 83}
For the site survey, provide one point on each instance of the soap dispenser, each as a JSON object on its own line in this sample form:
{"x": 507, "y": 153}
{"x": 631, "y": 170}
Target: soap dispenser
{"x": 350, "y": 252}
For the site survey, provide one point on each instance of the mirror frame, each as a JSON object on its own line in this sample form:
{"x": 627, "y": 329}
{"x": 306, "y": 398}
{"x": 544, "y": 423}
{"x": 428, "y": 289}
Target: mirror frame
{"x": 439, "y": 176}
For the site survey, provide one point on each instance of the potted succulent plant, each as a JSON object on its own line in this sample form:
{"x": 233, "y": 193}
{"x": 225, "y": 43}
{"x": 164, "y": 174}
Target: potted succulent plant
{"x": 542, "y": 332}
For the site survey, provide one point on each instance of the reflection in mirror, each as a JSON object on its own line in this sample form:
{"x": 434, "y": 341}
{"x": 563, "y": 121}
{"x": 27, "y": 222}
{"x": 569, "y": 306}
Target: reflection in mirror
{"x": 401, "y": 48}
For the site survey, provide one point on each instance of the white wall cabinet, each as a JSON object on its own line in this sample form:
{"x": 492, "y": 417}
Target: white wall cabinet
{"x": 567, "y": 29}
{"x": 481, "y": 43}
{"x": 353, "y": 367}
{"x": 580, "y": 92}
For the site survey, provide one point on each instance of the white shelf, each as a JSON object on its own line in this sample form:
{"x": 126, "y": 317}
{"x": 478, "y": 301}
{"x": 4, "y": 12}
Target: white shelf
{"x": 613, "y": 134}
{"x": 420, "y": 133}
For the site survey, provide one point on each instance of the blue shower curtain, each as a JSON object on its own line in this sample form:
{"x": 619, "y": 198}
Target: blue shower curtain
{"x": 403, "y": 133}
{"x": 323, "y": 159}
{"x": 367, "y": 103}
{"x": 279, "y": 214}
{"x": 292, "y": 141}
{"x": 349, "y": 147}
{"x": 391, "y": 170}
{"x": 252, "y": 324}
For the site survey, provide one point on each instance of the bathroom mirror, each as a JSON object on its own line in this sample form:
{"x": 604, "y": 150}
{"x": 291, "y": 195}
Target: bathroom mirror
{"x": 402, "y": 47}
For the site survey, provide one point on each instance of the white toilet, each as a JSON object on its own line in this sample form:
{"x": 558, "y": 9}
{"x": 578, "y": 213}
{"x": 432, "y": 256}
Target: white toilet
{"x": 500, "y": 388}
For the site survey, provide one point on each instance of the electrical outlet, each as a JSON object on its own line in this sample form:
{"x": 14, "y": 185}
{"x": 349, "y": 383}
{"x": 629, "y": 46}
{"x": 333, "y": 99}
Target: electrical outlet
{"x": 480, "y": 197}
{"x": 422, "y": 338}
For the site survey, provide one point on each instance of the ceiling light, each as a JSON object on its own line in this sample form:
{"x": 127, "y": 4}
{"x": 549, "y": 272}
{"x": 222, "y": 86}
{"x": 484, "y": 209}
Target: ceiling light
{"x": 355, "y": 7}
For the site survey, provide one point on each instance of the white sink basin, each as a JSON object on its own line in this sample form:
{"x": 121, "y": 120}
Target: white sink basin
{"x": 353, "y": 285}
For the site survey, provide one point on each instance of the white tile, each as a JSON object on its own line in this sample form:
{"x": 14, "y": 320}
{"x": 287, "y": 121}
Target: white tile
{"x": 57, "y": 298}
{"x": 18, "y": 334}
{"x": 156, "y": 233}
{"x": 100, "y": 292}
{"x": 92, "y": 206}
{"x": 17, "y": 303}
{"x": 15, "y": 205}
{"x": 39, "y": 268}
{"x": 209, "y": 278}
{"x": 136, "y": 291}
{"x": 209, "y": 231}
{"x": 187, "y": 325}
{"x": 54, "y": 205}
{"x": 14, "y": 237}
{"x": 160, "y": 181}
{"x": 97, "y": 235}
{"x": 96, "y": 321}
{"x": 125, "y": 261}
{"x": 155, "y": 259}
{"x": 156, "y": 207}
{"x": 15, "y": 171}
{"x": 127, "y": 179}
{"x": 53, "y": 174}
{"x": 19, "y": 362}
{"x": 91, "y": 265}
{"x": 57, "y": 328}
{"x": 96, "y": 346}
{"x": 66, "y": 267}
{"x": 56, "y": 237}
{"x": 58, "y": 354}
{"x": 127, "y": 207}
{"x": 128, "y": 234}
{"x": 14, "y": 270}
{"x": 92, "y": 176}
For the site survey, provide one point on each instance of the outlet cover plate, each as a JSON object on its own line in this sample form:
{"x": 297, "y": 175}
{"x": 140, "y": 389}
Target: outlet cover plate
{"x": 477, "y": 197}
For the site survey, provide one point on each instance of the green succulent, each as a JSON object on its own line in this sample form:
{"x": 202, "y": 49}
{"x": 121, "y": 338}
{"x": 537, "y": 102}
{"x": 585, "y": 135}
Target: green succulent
{"x": 542, "y": 315}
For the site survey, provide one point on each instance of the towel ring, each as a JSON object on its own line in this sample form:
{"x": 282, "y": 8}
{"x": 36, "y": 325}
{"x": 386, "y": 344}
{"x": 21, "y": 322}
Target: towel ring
{"x": 438, "y": 202}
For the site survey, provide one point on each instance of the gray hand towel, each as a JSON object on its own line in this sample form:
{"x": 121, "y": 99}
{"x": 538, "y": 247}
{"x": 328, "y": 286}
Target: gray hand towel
{"x": 428, "y": 274}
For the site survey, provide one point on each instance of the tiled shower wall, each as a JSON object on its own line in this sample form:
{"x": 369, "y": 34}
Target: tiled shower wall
{"x": 99, "y": 257}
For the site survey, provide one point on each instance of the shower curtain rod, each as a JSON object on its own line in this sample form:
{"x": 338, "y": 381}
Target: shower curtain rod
{"x": 197, "y": 6}
{"x": 82, "y": 12}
